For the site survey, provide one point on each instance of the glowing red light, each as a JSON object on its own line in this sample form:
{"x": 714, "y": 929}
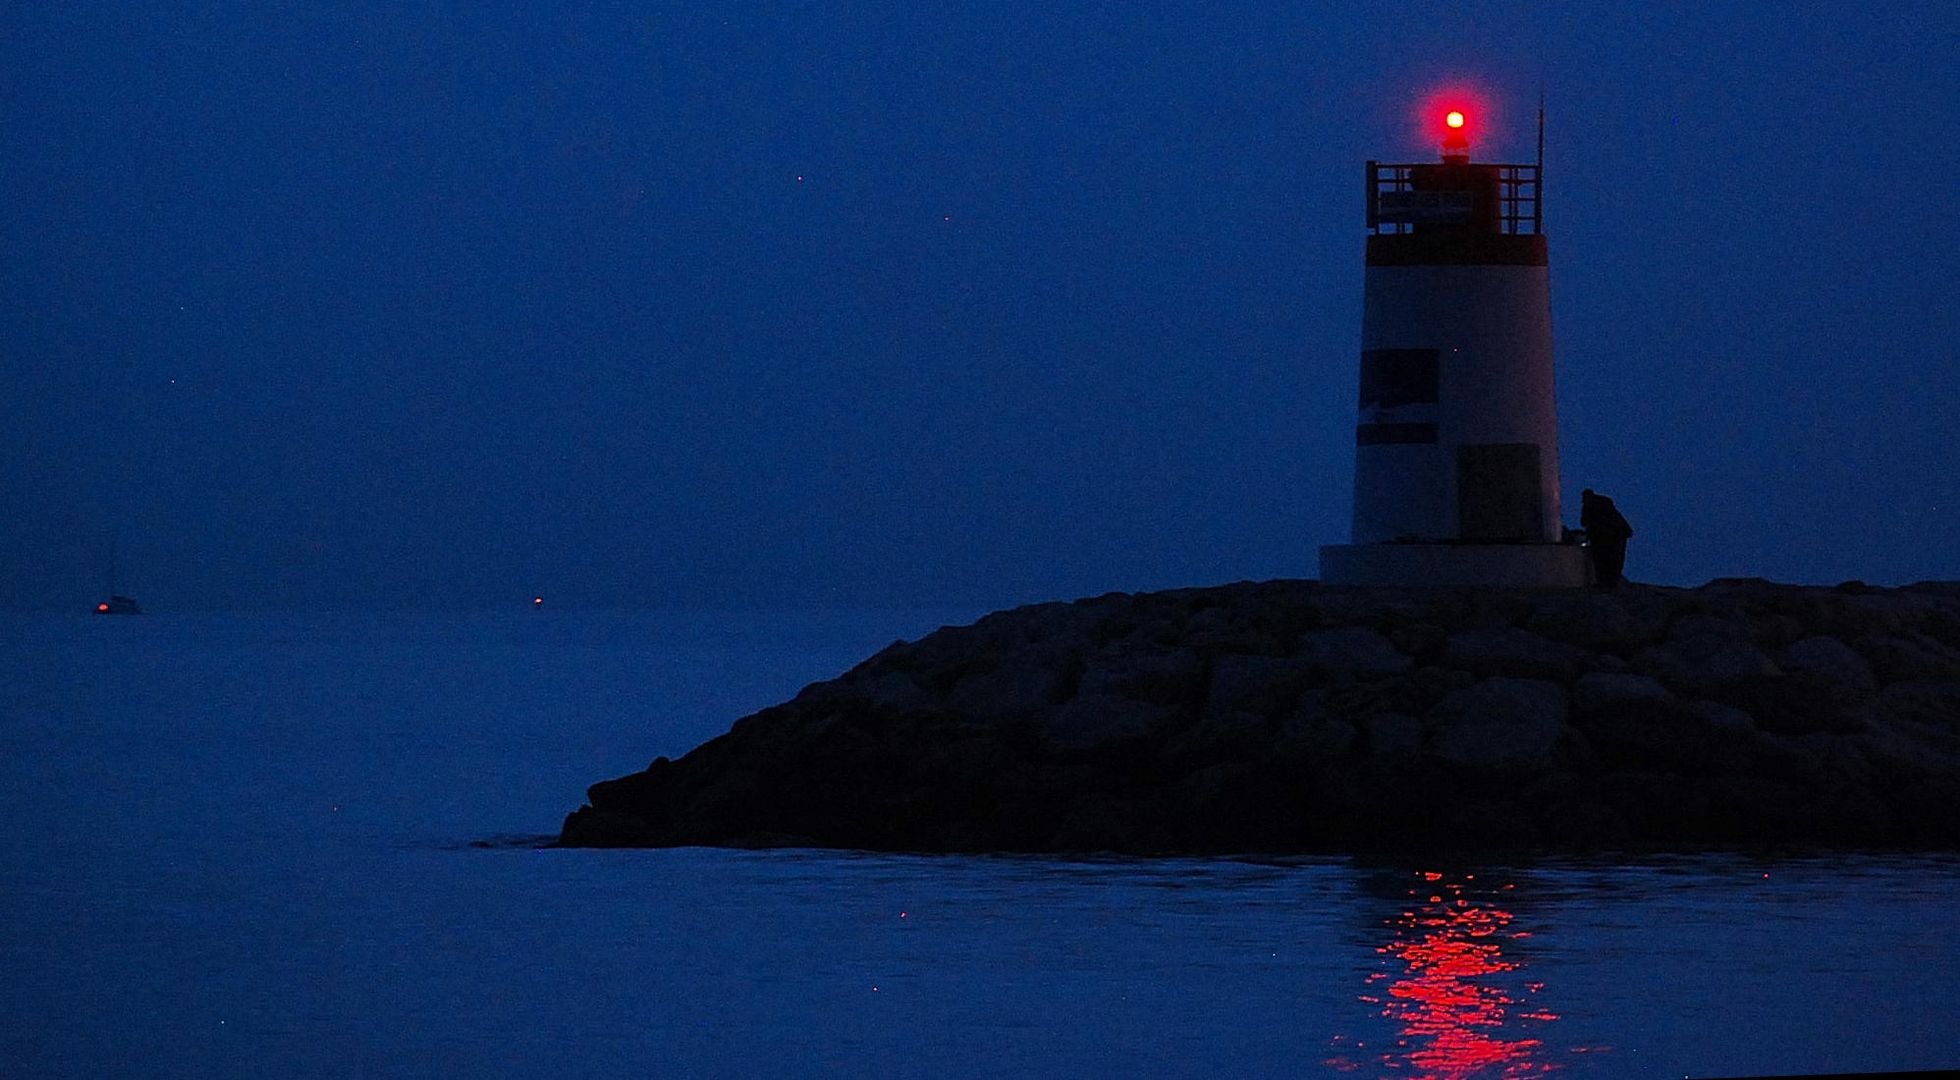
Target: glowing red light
{"x": 105, "y": 607}
{"x": 1455, "y": 114}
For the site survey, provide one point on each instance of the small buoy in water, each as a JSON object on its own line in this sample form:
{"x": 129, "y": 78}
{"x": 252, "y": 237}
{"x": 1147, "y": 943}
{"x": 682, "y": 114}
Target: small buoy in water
{"x": 537, "y": 601}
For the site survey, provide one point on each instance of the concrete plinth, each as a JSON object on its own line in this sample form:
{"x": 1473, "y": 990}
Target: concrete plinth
{"x": 1516, "y": 566}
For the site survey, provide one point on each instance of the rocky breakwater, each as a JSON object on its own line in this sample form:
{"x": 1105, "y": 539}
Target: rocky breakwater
{"x": 1292, "y": 716}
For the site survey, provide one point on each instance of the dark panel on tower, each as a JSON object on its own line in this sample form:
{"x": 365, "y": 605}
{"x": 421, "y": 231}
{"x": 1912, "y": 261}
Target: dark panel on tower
{"x": 1497, "y": 491}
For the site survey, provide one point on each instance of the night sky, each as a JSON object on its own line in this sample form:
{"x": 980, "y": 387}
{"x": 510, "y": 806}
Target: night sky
{"x": 892, "y": 303}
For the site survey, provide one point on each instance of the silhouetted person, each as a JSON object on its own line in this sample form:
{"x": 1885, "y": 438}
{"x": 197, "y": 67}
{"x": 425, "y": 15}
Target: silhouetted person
{"x": 1606, "y": 537}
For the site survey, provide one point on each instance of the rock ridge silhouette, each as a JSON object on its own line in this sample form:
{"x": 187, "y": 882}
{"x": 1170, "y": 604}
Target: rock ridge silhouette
{"x": 1290, "y": 716}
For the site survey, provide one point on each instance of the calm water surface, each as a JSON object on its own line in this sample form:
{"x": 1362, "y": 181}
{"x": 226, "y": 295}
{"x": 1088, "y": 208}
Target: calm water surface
{"x": 243, "y": 846}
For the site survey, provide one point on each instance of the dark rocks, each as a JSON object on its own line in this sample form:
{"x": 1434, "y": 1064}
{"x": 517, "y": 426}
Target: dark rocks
{"x": 1264, "y": 685}
{"x": 1507, "y": 650}
{"x": 1027, "y": 684}
{"x": 1598, "y": 690}
{"x": 1615, "y": 622}
{"x": 896, "y": 691}
{"x": 1930, "y": 702}
{"x": 1351, "y": 650}
{"x": 1830, "y": 661}
{"x": 607, "y": 828}
{"x": 1910, "y": 657}
{"x": 1392, "y": 735}
{"x": 1666, "y": 739}
{"x": 1422, "y": 642}
{"x": 1092, "y": 720}
{"x": 1289, "y": 716}
{"x": 1499, "y": 723}
{"x": 1704, "y": 660}
{"x": 1315, "y": 737}
{"x": 1147, "y": 672}
{"x": 1718, "y": 715}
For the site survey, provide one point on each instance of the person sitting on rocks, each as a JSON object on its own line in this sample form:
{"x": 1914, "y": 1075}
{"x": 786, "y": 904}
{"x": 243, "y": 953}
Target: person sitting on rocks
{"x": 1607, "y": 533}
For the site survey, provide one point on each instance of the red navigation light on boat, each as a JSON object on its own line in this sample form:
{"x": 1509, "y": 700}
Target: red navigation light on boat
{"x": 1454, "y": 119}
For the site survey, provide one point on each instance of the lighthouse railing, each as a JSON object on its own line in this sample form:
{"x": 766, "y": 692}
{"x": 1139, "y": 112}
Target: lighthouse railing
{"x": 1395, "y": 205}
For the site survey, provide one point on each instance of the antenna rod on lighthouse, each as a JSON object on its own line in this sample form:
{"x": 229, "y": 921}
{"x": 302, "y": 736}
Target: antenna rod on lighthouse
{"x": 1541, "y": 156}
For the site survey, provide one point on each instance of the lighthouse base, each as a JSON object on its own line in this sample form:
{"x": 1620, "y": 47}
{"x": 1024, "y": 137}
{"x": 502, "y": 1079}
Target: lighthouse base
{"x": 1512, "y": 566}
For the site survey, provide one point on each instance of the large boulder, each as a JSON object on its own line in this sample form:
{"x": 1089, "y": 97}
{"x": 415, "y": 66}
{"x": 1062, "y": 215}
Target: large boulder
{"x": 1933, "y": 702}
{"x": 896, "y": 692}
{"x": 1702, "y": 624}
{"x": 1908, "y": 748}
{"x": 1266, "y": 685}
{"x": 1147, "y": 671}
{"x": 1909, "y": 657}
{"x": 1355, "y": 650}
{"x": 1313, "y": 734}
{"x": 1392, "y": 734}
{"x": 1858, "y": 613}
{"x": 1092, "y": 720}
{"x": 1026, "y": 683}
{"x": 1829, "y": 661}
{"x": 1718, "y": 715}
{"x": 1662, "y": 738}
{"x": 1598, "y": 690}
{"x": 1618, "y": 621}
{"x": 1703, "y": 661}
{"x": 1499, "y": 723}
{"x": 1508, "y": 650}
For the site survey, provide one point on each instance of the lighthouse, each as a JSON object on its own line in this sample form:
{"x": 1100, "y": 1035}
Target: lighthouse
{"x": 1456, "y": 432}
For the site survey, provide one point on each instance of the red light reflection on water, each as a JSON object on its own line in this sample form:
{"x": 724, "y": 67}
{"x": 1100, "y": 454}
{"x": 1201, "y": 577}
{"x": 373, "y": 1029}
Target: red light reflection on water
{"x": 1451, "y": 991}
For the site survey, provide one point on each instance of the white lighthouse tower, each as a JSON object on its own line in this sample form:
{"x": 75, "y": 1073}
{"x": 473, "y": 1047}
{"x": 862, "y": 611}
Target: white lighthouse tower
{"x": 1456, "y": 441}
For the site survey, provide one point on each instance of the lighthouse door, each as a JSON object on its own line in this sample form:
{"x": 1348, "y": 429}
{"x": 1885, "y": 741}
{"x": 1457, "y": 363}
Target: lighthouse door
{"x": 1497, "y": 492}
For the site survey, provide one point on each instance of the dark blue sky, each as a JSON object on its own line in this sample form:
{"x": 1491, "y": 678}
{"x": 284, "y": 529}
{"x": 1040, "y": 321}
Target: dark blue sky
{"x": 903, "y": 302}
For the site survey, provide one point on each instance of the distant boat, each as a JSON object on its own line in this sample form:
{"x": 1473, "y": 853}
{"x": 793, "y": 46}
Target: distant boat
{"x": 117, "y": 604}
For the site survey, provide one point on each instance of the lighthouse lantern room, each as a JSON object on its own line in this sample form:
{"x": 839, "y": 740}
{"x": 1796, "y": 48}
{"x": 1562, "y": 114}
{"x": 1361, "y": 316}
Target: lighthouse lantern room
{"x": 1456, "y": 438}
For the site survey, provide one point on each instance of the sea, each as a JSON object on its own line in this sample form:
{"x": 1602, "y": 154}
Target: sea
{"x": 313, "y": 845}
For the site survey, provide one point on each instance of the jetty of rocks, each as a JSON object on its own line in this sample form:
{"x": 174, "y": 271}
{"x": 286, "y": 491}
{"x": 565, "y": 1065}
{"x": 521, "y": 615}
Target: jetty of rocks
{"x": 1291, "y": 716}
